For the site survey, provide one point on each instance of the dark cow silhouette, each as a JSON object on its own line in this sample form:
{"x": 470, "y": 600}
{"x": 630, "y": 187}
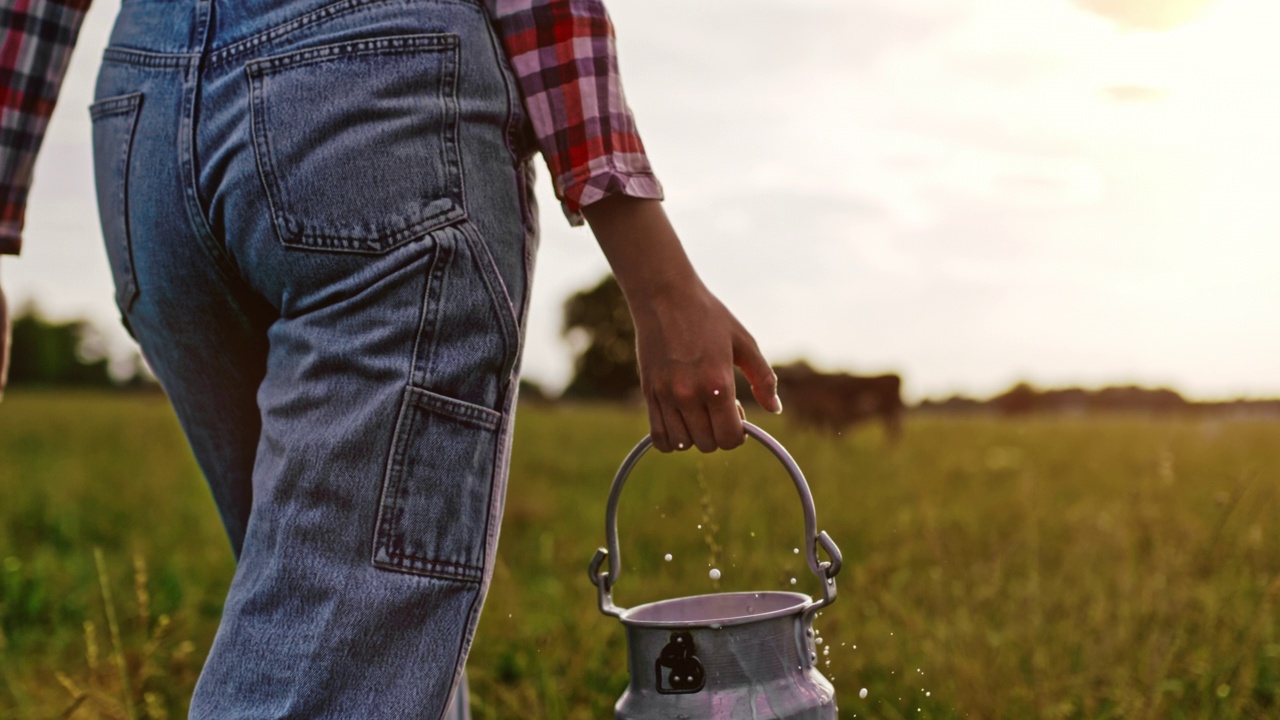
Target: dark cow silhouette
{"x": 836, "y": 401}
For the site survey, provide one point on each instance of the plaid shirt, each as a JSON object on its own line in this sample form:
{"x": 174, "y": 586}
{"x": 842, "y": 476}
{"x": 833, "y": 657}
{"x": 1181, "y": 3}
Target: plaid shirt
{"x": 562, "y": 52}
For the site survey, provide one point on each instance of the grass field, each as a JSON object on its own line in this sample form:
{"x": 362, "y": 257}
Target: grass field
{"x": 1043, "y": 568}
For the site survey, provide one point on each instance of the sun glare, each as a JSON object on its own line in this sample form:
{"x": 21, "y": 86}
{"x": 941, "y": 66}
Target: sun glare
{"x": 1211, "y": 85}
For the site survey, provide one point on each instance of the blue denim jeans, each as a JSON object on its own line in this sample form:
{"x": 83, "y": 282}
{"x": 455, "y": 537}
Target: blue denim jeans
{"x": 319, "y": 219}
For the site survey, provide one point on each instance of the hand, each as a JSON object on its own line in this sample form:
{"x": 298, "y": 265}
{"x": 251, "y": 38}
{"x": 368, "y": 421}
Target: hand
{"x": 687, "y": 342}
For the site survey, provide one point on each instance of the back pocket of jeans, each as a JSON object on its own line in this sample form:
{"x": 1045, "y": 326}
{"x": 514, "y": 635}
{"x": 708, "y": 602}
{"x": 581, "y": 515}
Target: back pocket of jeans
{"x": 357, "y": 142}
{"x": 114, "y": 120}
{"x": 436, "y": 497}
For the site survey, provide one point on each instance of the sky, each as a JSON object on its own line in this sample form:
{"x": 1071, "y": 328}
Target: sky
{"x": 966, "y": 192}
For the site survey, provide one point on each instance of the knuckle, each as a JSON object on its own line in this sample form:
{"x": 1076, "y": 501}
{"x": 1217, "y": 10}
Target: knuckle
{"x": 684, "y": 392}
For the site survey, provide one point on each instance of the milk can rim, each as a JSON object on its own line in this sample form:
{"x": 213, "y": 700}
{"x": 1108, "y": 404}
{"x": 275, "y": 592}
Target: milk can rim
{"x": 802, "y": 601}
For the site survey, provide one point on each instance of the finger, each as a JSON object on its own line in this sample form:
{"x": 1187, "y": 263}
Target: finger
{"x": 677, "y": 435}
{"x": 699, "y": 425}
{"x": 764, "y": 384}
{"x": 657, "y": 427}
{"x": 726, "y": 421}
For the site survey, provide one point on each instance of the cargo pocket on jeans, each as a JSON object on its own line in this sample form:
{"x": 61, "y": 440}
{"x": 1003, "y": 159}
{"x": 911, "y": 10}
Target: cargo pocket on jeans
{"x": 114, "y": 120}
{"x": 434, "y": 514}
{"x": 357, "y": 142}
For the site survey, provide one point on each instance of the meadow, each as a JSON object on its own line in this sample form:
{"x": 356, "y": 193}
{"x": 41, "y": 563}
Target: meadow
{"x": 1114, "y": 567}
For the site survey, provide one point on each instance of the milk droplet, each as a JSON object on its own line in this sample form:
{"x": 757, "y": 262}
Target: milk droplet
{"x": 667, "y": 557}
{"x": 715, "y": 574}
{"x": 862, "y": 693}
{"x": 928, "y": 694}
{"x": 793, "y": 581}
{"x": 818, "y": 640}
{"x": 699, "y": 527}
{"x": 795, "y": 550}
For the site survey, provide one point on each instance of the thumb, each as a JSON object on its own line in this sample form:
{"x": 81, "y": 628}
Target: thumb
{"x": 764, "y": 384}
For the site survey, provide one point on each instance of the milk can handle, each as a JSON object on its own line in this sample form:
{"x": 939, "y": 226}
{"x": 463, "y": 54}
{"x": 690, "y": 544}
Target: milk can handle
{"x": 825, "y": 570}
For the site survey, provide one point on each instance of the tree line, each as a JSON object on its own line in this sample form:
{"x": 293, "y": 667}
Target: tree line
{"x": 73, "y": 353}
{"x": 596, "y": 324}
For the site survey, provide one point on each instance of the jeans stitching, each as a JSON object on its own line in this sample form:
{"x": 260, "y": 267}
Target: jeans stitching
{"x": 391, "y": 483}
{"x": 144, "y": 58}
{"x": 261, "y": 141}
{"x": 395, "y": 44}
{"x": 498, "y": 293}
{"x": 429, "y": 326}
{"x": 459, "y": 410}
{"x": 118, "y": 105}
{"x": 126, "y": 107}
{"x": 288, "y": 27}
{"x": 417, "y": 397}
{"x": 297, "y": 233}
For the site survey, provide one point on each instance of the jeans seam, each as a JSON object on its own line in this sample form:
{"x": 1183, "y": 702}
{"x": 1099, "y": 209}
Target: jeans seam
{"x": 439, "y": 257}
{"x": 515, "y": 105}
{"x": 145, "y": 58}
{"x": 459, "y": 410}
{"x": 432, "y": 303}
{"x": 381, "y": 537}
{"x": 405, "y": 427}
{"x": 197, "y": 213}
{"x": 127, "y": 107}
{"x": 500, "y": 296}
{"x": 501, "y": 452}
{"x": 225, "y": 54}
{"x": 389, "y": 45}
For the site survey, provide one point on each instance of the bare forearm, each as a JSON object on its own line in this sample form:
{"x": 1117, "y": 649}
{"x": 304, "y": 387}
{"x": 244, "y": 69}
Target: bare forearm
{"x": 641, "y": 246}
{"x": 687, "y": 342}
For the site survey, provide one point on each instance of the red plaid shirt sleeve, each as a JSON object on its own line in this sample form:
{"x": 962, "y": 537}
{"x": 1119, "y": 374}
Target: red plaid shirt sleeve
{"x": 566, "y": 63}
{"x": 36, "y": 37}
{"x": 561, "y": 50}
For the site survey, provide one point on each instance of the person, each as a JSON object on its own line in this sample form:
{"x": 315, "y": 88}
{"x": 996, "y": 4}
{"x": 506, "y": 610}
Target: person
{"x": 320, "y": 223}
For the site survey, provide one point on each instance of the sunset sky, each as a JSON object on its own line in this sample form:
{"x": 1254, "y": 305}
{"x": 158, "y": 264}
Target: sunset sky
{"x": 969, "y": 192}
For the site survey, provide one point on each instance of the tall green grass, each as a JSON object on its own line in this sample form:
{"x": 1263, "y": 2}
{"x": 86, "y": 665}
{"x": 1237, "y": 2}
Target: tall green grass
{"x": 1043, "y": 568}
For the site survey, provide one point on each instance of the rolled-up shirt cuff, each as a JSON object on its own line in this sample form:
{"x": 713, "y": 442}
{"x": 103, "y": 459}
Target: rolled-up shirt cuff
{"x": 600, "y": 185}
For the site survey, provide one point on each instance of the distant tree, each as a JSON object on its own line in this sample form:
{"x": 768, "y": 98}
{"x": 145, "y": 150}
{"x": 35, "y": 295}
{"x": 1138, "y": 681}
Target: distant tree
{"x": 1020, "y": 399}
{"x": 60, "y": 353}
{"x": 606, "y": 365}
{"x": 532, "y": 392}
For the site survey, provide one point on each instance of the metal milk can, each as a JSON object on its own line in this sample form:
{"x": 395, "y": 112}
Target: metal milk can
{"x": 723, "y": 656}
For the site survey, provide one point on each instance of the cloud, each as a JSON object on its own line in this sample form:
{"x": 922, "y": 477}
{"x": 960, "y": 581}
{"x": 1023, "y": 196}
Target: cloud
{"x": 1134, "y": 93}
{"x": 1147, "y": 14}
